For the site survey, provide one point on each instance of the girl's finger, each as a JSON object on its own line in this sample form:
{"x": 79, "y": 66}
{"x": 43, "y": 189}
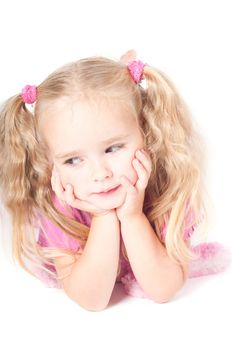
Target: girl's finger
{"x": 145, "y": 159}
{"x": 69, "y": 197}
{"x": 143, "y": 175}
{"x": 74, "y": 202}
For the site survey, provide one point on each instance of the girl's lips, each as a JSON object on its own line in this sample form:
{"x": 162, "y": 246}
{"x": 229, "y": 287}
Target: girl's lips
{"x": 108, "y": 192}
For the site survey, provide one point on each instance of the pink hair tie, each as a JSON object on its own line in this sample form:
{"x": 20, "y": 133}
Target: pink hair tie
{"x": 29, "y": 94}
{"x": 136, "y": 70}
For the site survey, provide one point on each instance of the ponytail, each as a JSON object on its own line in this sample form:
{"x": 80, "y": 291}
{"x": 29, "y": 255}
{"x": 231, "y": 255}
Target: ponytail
{"x": 174, "y": 146}
{"x": 18, "y": 167}
{"x": 17, "y": 146}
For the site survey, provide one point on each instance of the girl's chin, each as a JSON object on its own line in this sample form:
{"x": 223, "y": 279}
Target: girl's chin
{"x": 108, "y": 206}
{"x": 108, "y": 203}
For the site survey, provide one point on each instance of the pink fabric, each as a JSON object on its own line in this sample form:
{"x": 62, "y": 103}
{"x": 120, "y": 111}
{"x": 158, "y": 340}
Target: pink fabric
{"x": 212, "y": 258}
{"x": 51, "y": 235}
{"x": 189, "y": 225}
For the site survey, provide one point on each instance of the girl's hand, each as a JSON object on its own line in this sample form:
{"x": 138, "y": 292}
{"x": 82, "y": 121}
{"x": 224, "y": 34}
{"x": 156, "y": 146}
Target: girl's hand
{"x": 67, "y": 195}
{"x": 133, "y": 204}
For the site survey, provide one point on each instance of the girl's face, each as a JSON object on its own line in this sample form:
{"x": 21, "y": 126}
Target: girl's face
{"x": 92, "y": 144}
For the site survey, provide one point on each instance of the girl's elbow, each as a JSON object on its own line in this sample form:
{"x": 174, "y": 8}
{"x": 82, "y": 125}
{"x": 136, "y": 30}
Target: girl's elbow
{"x": 94, "y": 307}
{"x": 87, "y": 301}
{"x": 161, "y": 300}
{"x": 165, "y": 296}
{"x": 88, "y": 304}
{"x": 159, "y": 297}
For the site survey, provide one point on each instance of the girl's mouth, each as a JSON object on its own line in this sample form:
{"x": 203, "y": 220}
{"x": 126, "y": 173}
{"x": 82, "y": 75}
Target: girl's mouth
{"x": 107, "y": 193}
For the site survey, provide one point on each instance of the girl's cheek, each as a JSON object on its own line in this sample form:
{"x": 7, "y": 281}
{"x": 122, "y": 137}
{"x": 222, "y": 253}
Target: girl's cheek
{"x": 69, "y": 177}
{"x": 78, "y": 192}
{"x": 80, "y": 187}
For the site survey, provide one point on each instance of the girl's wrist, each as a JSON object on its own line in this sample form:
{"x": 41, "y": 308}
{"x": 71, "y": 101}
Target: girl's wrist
{"x": 105, "y": 213}
{"x": 129, "y": 218}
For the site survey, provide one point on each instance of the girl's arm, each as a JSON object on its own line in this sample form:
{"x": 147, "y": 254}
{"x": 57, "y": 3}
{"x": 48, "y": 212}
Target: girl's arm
{"x": 93, "y": 275}
{"x": 157, "y": 274}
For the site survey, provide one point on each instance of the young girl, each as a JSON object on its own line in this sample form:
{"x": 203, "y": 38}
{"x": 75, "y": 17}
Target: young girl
{"x": 102, "y": 172}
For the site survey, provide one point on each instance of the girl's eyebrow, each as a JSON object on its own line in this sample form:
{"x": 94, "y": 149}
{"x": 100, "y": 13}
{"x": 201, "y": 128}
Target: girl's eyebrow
{"x": 107, "y": 141}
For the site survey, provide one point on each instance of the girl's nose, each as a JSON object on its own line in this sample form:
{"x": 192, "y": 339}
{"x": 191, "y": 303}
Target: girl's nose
{"x": 101, "y": 172}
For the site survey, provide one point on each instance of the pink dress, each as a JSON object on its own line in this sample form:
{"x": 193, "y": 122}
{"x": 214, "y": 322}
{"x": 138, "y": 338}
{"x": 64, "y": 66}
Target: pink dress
{"x": 213, "y": 257}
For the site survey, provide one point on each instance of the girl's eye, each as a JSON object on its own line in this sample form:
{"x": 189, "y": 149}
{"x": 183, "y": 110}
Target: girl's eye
{"x": 114, "y": 148}
{"x": 73, "y": 161}
{"x": 76, "y": 160}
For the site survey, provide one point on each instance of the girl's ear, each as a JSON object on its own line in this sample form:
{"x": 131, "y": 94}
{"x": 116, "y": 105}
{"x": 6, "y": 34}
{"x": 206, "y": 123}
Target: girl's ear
{"x": 128, "y": 56}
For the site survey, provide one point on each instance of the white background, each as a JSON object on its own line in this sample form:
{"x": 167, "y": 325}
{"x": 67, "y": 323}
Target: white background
{"x": 191, "y": 42}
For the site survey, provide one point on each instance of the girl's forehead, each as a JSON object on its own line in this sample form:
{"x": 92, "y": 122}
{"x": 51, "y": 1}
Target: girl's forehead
{"x": 82, "y": 120}
{"x": 106, "y": 111}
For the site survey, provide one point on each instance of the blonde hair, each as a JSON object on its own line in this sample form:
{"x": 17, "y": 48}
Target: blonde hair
{"x": 175, "y": 148}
